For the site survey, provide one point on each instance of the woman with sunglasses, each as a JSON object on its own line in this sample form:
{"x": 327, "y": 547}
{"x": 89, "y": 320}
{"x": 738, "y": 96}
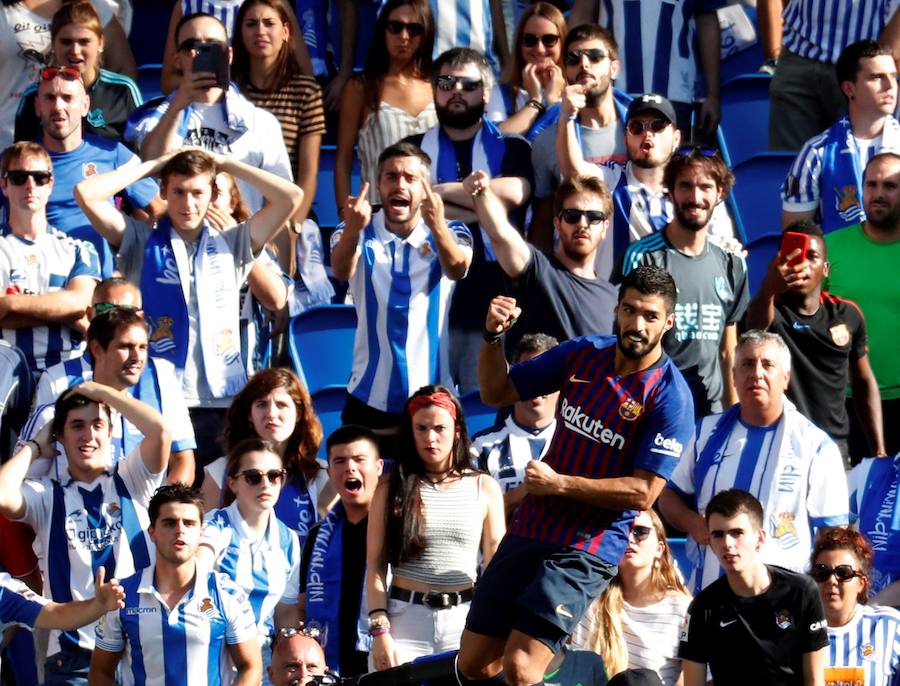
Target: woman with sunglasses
{"x": 77, "y": 40}
{"x": 392, "y": 99}
{"x": 275, "y": 407}
{"x": 865, "y": 639}
{"x": 536, "y": 79}
{"x": 636, "y": 621}
{"x": 429, "y": 522}
{"x": 246, "y": 541}
{"x": 25, "y": 49}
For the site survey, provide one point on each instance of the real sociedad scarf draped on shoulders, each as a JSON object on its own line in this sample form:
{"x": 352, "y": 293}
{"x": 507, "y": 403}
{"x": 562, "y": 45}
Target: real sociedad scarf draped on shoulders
{"x": 323, "y": 586}
{"x": 165, "y": 283}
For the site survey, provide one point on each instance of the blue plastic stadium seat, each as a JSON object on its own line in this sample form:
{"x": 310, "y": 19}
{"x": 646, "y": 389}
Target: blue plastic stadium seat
{"x": 320, "y": 342}
{"x": 149, "y": 76}
{"x": 478, "y": 415}
{"x": 759, "y": 253}
{"x": 756, "y": 196}
{"x": 324, "y": 204}
{"x": 328, "y": 403}
{"x": 744, "y": 128}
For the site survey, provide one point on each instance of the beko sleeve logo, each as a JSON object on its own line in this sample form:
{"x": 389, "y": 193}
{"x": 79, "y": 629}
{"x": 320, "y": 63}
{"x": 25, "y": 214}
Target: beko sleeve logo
{"x": 666, "y": 446}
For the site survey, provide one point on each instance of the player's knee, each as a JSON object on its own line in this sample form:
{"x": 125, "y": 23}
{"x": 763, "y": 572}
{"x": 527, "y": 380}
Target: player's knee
{"x": 519, "y": 669}
{"x": 473, "y": 668}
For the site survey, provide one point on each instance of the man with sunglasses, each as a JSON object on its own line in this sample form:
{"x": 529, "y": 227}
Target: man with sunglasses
{"x": 61, "y": 105}
{"x": 297, "y": 657}
{"x": 759, "y": 623}
{"x": 561, "y": 294}
{"x": 765, "y": 446}
{"x": 94, "y": 517}
{"x": 182, "y": 624}
{"x": 46, "y": 277}
{"x": 465, "y": 140}
{"x": 591, "y": 110}
{"x": 207, "y": 113}
{"x": 712, "y": 282}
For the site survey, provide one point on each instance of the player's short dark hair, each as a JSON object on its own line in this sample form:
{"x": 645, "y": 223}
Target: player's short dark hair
{"x": 350, "y": 433}
{"x": 174, "y": 493}
{"x": 106, "y": 326}
{"x": 402, "y": 149}
{"x": 69, "y": 401}
{"x": 710, "y": 163}
{"x": 805, "y": 226}
{"x": 651, "y": 280}
{"x": 579, "y": 185}
{"x": 848, "y": 63}
{"x": 734, "y": 501}
{"x": 533, "y": 343}
{"x": 592, "y": 32}
{"x": 190, "y": 16}
{"x": 189, "y": 163}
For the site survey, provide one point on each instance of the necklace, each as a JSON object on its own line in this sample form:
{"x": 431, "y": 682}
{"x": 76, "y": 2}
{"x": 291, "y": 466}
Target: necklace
{"x": 444, "y": 476}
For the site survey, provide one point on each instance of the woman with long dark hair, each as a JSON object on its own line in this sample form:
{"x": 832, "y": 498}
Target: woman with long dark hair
{"x": 392, "y": 99}
{"x": 429, "y": 522}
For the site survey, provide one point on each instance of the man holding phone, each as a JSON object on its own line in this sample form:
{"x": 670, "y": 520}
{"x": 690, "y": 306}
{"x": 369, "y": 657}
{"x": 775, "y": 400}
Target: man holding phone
{"x": 826, "y": 336}
{"x": 208, "y": 112}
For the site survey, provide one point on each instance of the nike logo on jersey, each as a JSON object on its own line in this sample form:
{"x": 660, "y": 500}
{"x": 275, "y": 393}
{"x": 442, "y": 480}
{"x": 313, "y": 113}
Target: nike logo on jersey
{"x": 575, "y": 379}
{"x": 563, "y": 612}
{"x": 800, "y": 327}
{"x": 724, "y": 624}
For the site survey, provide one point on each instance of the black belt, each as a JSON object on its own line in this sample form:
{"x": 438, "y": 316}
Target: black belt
{"x": 436, "y": 600}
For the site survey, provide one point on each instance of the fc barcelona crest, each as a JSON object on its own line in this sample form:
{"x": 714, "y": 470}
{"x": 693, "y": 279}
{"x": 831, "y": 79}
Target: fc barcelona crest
{"x": 840, "y": 334}
{"x": 630, "y": 409}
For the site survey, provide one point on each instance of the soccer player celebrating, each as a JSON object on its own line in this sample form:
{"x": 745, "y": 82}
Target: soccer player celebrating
{"x": 620, "y": 431}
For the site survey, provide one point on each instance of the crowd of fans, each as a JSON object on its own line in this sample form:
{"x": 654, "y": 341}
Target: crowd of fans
{"x": 540, "y": 212}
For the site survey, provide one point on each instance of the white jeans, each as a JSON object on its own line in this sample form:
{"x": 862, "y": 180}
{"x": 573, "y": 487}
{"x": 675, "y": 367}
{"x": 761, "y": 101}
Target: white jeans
{"x": 418, "y": 630}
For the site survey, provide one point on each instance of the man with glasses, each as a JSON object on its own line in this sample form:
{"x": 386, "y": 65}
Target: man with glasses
{"x": 47, "y": 277}
{"x": 561, "y": 295}
{"x": 204, "y": 112}
{"x": 712, "y": 283}
{"x": 759, "y": 624}
{"x": 591, "y": 110}
{"x": 117, "y": 357}
{"x": 61, "y": 105}
{"x": 182, "y": 624}
{"x": 765, "y": 446}
{"x": 465, "y": 140}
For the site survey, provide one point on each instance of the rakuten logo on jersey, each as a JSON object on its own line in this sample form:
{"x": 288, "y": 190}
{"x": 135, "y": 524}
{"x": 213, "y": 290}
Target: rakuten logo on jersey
{"x": 575, "y": 419}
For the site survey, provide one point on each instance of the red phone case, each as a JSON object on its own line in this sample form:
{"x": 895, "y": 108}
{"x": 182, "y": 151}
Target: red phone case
{"x": 790, "y": 242}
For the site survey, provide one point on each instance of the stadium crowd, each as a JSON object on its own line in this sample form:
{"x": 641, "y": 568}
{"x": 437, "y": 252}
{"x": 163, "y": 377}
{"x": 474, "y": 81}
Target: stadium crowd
{"x": 525, "y": 206}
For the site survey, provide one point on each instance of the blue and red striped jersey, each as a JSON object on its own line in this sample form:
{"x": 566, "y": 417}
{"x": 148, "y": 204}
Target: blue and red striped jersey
{"x": 607, "y": 426}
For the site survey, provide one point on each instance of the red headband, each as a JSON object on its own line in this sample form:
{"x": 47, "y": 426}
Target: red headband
{"x": 439, "y": 399}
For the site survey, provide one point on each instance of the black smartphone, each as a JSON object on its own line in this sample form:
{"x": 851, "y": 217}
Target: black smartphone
{"x": 213, "y": 58}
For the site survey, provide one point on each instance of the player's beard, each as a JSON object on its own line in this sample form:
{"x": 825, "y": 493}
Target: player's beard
{"x": 634, "y": 350}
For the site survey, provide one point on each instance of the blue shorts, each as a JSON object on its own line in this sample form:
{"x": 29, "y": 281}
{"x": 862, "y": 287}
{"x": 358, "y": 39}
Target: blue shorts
{"x": 541, "y": 589}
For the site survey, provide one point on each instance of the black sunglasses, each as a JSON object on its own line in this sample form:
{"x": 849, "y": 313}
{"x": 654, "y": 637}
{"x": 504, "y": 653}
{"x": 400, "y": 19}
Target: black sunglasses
{"x": 573, "y": 216}
{"x": 843, "y": 573}
{"x": 688, "y": 150}
{"x": 636, "y": 127}
{"x": 529, "y": 40}
{"x": 255, "y": 476}
{"x": 448, "y": 83}
{"x": 595, "y": 55}
{"x": 192, "y": 44}
{"x": 18, "y": 177}
{"x": 640, "y": 533}
{"x": 413, "y": 28}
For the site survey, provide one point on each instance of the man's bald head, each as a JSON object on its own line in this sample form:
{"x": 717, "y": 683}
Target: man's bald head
{"x": 295, "y": 659}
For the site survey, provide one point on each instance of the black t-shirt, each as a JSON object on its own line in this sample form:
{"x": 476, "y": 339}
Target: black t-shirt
{"x": 353, "y": 570}
{"x": 559, "y": 303}
{"x": 822, "y": 347}
{"x": 473, "y": 294}
{"x": 758, "y": 640}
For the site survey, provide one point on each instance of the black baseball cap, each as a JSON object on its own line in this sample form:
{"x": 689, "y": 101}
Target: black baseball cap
{"x": 636, "y": 677}
{"x": 651, "y": 102}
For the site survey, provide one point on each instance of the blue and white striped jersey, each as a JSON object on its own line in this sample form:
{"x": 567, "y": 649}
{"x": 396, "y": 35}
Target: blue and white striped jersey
{"x": 47, "y": 264}
{"x": 792, "y": 467}
{"x": 402, "y": 302}
{"x": 504, "y": 450}
{"x": 820, "y": 29}
{"x": 464, "y": 24}
{"x": 657, "y": 43}
{"x": 181, "y": 646}
{"x": 19, "y": 605}
{"x": 874, "y": 484}
{"x": 81, "y": 527}
{"x": 266, "y": 569}
{"x": 870, "y": 642}
{"x": 224, "y": 10}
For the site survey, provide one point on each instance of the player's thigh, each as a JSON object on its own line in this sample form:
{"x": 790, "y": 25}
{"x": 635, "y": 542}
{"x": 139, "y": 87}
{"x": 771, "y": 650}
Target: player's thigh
{"x": 525, "y": 659}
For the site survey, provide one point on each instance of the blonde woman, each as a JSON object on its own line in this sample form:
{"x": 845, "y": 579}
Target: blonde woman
{"x": 635, "y": 623}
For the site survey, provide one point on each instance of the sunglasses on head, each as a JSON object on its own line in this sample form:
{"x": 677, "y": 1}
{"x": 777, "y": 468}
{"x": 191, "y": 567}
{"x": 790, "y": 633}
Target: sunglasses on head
{"x": 67, "y": 73}
{"x": 573, "y": 216}
{"x": 413, "y": 28}
{"x": 448, "y": 83}
{"x": 636, "y": 127}
{"x": 103, "y": 308}
{"x": 843, "y": 573}
{"x": 595, "y": 55}
{"x": 18, "y": 177}
{"x": 688, "y": 150}
{"x": 192, "y": 43}
{"x": 529, "y": 40}
{"x": 639, "y": 533}
{"x": 254, "y": 477}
